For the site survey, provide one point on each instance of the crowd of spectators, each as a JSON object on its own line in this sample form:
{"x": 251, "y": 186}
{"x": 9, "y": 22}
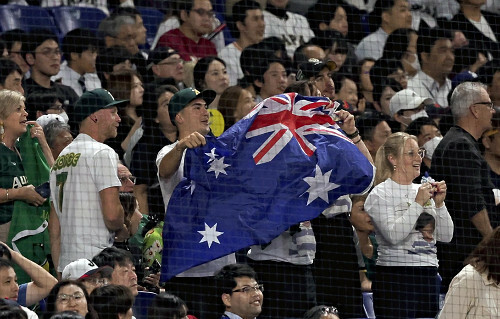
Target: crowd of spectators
{"x": 103, "y": 118}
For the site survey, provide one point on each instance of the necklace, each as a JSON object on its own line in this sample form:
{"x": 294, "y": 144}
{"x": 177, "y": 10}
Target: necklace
{"x": 14, "y": 150}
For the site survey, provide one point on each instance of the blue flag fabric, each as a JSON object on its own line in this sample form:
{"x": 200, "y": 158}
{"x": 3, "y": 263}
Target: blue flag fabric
{"x": 282, "y": 164}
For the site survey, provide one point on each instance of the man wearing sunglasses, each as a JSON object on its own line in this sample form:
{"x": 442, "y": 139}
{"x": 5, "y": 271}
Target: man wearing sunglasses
{"x": 241, "y": 294}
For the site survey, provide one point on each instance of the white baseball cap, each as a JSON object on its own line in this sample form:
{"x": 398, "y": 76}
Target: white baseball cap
{"x": 80, "y": 268}
{"x": 45, "y": 119}
{"x": 406, "y": 100}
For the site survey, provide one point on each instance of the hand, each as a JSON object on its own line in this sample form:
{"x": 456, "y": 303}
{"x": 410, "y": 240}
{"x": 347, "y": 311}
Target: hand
{"x": 425, "y": 192}
{"x": 347, "y": 121}
{"x": 30, "y": 196}
{"x": 439, "y": 193}
{"x": 122, "y": 234}
{"x": 153, "y": 279}
{"x": 191, "y": 141}
{"x": 36, "y": 130}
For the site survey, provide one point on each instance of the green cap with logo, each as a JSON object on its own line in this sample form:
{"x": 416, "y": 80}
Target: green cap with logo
{"x": 93, "y": 101}
{"x": 182, "y": 98}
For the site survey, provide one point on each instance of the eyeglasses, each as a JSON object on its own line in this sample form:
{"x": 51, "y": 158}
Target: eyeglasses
{"x": 249, "y": 289}
{"x": 488, "y": 104}
{"x": 204, "y": 13}
{"x": 65, "y": 298}
{"x": 124, "y": 179}
{"x": 325, "y": 311}
{"x": 49, "y": 52}
{"x": 171, "y": 62}
{"x": 420, "y": 153}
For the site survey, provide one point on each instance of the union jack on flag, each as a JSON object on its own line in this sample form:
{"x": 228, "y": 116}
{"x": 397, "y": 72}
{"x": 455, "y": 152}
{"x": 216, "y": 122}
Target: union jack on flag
{"x": 282, "y": 164}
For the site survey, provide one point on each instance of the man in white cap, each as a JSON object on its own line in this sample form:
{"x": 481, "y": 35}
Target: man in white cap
{"x": 406, "y": 106}
{"x": 87, "y": 272}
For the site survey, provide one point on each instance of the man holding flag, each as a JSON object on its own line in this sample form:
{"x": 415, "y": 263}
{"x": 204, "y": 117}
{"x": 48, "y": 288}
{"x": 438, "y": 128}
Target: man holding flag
{"x": 283, "y": 164}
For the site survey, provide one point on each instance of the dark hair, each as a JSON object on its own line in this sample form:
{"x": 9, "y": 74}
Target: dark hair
{"x": 5, "y": 253}
{"x": 487, "y": 72}
{"x": 379, "y": 87}
{"x": 315, "y": 312}
{"x": 486, "y": 256}
{"x": 111, "y": 300}
{"x": 299, "y": 87}
{"x": 112, "y": 256}
{"x": 415, "y": 126}
{"x": 380, "y": 7}
{"x": 228, "y": 103}
{"x": 107, "y": 59}
{"x": 339, "y": 80}
{"x": 77, "y": 41}
{"x": 322, "y": 12}
{"x": 40, "y": 101}
{"x": 226, "y": 276}
{"x": 127, "y": 11}
{"x": 52, "y": 298}
{"x": 11, "y": 310}
{"x": 384, "y": 68}
{"x": 7, "y": 67}
{"x": 427, "y": 39}
{"x": 200, "y": 70}
{"x": 367, "y": 122}
{"x": 239, "y": 13}
{"x": 166, "y": 306}
{"x": 397, "y": 44}
{"x": 35, "y": 39}
{"x": 129, "y": 205}
{"x": 12, "y": 36}
{"x": 4, "y": 263}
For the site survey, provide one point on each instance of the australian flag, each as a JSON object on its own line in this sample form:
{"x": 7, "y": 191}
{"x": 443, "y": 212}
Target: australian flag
{"x": 282, "y": 164}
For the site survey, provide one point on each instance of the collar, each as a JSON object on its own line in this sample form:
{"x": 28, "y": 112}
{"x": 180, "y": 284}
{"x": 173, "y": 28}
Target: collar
{"x": 230, "y": 315}
{"x": 280, "y": 13}
{"x": 431, "y": 83}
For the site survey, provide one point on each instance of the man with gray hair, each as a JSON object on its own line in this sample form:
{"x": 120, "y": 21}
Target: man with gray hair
{"x": 58, "y": 136}
{"x": 458, "y": 160}
{"x": 119, "y": 31}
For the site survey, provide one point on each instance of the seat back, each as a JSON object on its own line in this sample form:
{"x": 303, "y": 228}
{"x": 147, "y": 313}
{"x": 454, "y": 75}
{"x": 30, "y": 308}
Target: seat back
{"x": 68, "y": 18}
{"x": 152, "y": 19}
{"x": 26, "y": 18}
{"x": 141, "y": 304}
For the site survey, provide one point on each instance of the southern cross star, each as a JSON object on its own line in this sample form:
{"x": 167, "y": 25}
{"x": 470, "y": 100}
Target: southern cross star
{"x": 218, "y": 166}
{"x": 212, "y": 155}
{"x": 210, "y": 235}
{"x": 319, "y": 185}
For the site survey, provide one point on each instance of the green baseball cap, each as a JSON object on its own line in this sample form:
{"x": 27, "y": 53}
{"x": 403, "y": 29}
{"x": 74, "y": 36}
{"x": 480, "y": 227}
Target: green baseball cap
{"x": 182, "y": 98}
{"x": 93, "y": 101}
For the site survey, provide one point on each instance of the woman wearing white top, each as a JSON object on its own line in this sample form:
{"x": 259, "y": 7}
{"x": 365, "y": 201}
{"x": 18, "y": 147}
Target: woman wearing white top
{"x": 408, "y": 218}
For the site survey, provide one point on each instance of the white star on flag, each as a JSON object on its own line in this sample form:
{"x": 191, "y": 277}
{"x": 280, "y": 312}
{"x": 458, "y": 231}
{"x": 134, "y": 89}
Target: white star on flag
{"x": 212, "y": 155}
{"x": 218, "y": 167}
{"x": 210, "y": 235}
{"x": 319, "y": 185}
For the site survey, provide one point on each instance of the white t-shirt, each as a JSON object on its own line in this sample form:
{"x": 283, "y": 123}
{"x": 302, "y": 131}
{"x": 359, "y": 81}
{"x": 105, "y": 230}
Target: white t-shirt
{"x": 231, "y": 55}
{"x": 167, "y": 186}
{"x": 83, "y": 169}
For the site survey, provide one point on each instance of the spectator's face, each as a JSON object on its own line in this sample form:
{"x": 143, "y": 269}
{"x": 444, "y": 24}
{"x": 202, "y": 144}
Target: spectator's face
{"x": 46, "y": 59}
{"x": 408, "y": 163}
{"x": 71, "y": 298}
{"x": 13, "y": 82}
{"x": 325, "y": 84}
{"x": 15, "y": 55}
{"x": 61, "y": 141}
{"x": 199, "y": 19}
{"x": 8, "y": 284}
{"x": 380, "y": 134}
{"x": 137, "y": 92}
{"x": 162, "y": 115}
{"x": 254, "y": 26}
{"x": 484, "y": 112}
{"x": 404, "y": 117}
{"x": 349, "y": 92}
{"x": 360, "y": 218}
{"x": 336, "y": 55}
{"x": 108, "y": 121}
{"x": 125, "y": 276}
{"x": 195, "y": 117}
{"x": 279, "y": 3}
{"x": 216, "y": 77}
{"x": 399, "y": 16}
{"x": 56, "y": 108}
{"x": 441, "y": 58}
{"x": 171, "y": 67}
{"x": 123, "y": 66}
{"x": 275, "y": 80}
{"x": 494, "y": 88}
{"x": 126, "y": 178}
{"x": 85, "y": 61}
{"x": 15, "y": 123}
{"x": 339, "y": 21}
{"x": 140, "y": 29}
{"x": 245, "y": 104}
{"x": 126, "y": 38}
{"x": 385, "y": 99}
{"x": 427, "y": 133}
{"x": 244, "y": 304}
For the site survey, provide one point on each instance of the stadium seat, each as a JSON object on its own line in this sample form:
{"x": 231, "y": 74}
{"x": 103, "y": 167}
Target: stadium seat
{"x": 141, "y": 304}
{"x": 26, "y": 18}
{"x": 68, "y": 18}
{"x": 152, "y": 19}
